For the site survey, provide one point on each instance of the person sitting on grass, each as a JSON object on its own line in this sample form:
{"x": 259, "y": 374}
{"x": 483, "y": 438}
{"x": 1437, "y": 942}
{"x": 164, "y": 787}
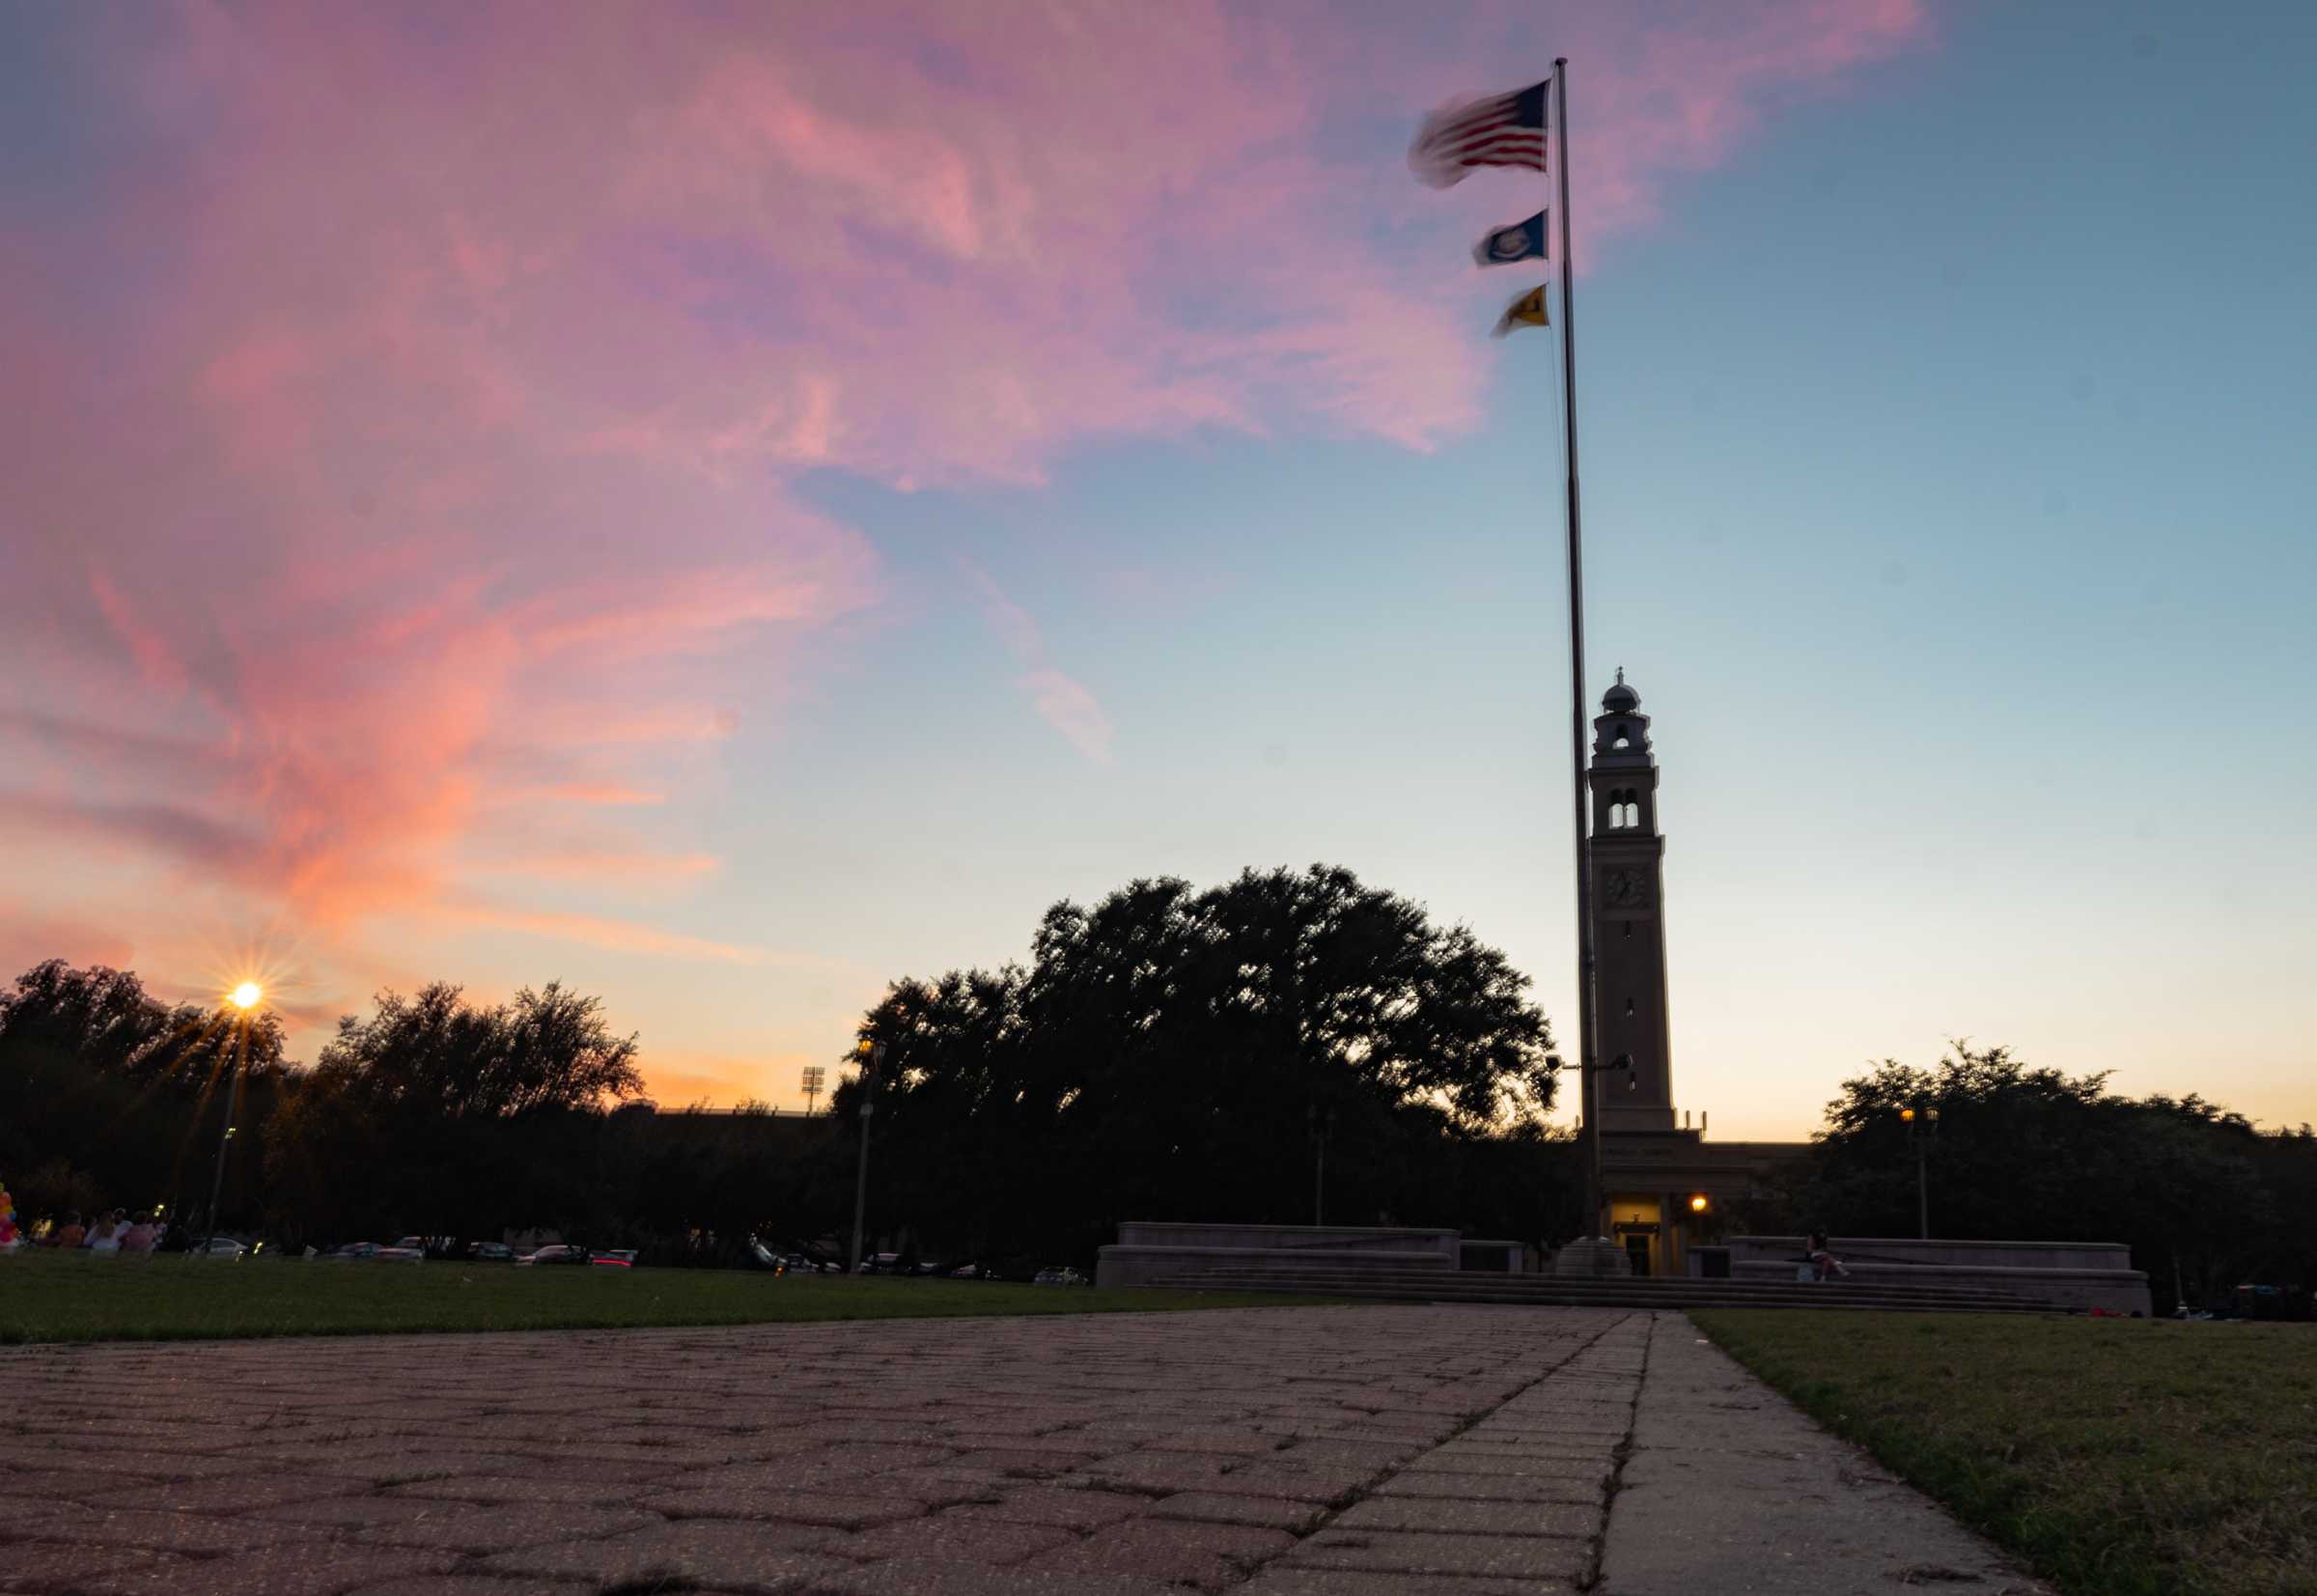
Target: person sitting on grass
{"x": 104, "y": 1233}
{"x": 68, "y": 1236}
{"x": 139, "y": 1237}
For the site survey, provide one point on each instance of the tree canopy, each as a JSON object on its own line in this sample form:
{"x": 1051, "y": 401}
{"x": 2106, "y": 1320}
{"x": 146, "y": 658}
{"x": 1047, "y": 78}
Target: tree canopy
{"x": 2033, "y": 1154}
{"x": 1177, "y": 1054}
{"x": 1286, "y": 1045}
{"x": 104, "y": 1088}
{"x": 442, "y": 1116}
{"x": 435, "y": 1055}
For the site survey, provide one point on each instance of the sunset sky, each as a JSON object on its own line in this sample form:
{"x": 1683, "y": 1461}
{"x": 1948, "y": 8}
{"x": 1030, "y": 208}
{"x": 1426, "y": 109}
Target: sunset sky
{"x": 728, "y": 505}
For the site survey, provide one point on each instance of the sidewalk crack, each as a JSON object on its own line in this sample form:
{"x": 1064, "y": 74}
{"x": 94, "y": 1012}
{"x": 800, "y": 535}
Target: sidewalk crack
{"x": 1592, "y": 1575}
{"x": 1619, "y": 1456}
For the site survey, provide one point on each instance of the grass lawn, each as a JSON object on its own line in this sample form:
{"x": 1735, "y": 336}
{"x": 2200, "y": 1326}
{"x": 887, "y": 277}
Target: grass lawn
{"x": 46, "y": 1298}
{"x": 2120, "y": 1457}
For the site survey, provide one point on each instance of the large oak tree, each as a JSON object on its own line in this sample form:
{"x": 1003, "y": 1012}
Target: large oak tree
{"x": 1173, "y": 1053}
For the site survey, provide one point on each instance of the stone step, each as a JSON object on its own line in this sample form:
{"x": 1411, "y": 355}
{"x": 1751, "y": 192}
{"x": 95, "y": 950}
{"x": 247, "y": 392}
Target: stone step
{"x": 1544, "y": 1290}
{"x": 1548, "y": 1289}
{"x": 1371, "y": 1292}
{"x": 1314, "y": 1269}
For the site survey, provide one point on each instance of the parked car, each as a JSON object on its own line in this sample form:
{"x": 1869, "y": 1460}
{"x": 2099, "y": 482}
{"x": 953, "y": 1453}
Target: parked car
{"x": 880, "y": 1263}
{"x": 1063, "y": 1277}
{"x": 352, "y": 1252}
{"x": 215, "y": 1246}
{"x": 491, "y": 1252}
{"x": 618, "y": 1258}
{"x": 555, "y": 1254}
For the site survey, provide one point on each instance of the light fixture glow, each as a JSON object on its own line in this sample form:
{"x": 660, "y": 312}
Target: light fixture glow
{"x": 1697, "y": 1204}
{"x": 246, "y": 995}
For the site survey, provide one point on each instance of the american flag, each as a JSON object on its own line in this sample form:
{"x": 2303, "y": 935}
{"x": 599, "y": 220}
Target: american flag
{"x": 1500, "y": 130}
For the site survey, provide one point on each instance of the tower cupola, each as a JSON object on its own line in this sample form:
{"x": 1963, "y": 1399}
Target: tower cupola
{"x": 1621, "y": 731}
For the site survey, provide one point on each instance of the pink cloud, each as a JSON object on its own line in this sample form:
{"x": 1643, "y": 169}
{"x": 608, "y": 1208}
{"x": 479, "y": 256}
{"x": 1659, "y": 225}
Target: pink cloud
{"x": 605, "y": 932}
{"x": 27, "y": 941}
{"x": 402, "y": 408}
{"x": 606, "y": 794}
{"x": 604, "y": 863}
{"x": 1061, "y": 701}
{"x": 1069, "y": 707}
{"x": 156, "y": 660}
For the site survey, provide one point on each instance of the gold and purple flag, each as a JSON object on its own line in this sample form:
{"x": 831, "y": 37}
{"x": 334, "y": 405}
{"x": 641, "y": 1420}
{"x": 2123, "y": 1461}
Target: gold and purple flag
{"x": 1528, "y": 311}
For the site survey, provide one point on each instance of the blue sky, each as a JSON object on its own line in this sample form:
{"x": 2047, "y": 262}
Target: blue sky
{"x": 824, "y": 498}
{"x": 1947, "y": 500}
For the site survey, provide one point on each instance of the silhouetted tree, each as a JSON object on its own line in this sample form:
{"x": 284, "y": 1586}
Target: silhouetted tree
{"x": 2033, "y": 1154}
{"x": 1190, "y": 1055}
{"x": 439, "y": 1117}
{"x": 105, "y": 1090}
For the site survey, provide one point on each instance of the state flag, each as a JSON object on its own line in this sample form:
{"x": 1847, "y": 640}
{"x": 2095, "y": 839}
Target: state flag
{"x": 1513, "y": 242}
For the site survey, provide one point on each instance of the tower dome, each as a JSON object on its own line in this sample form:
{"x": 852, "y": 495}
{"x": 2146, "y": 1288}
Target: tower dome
{"x": 1620, "y": 699}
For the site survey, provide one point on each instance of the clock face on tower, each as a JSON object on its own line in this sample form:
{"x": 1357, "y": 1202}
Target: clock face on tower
{"x": 1624, "y": 889}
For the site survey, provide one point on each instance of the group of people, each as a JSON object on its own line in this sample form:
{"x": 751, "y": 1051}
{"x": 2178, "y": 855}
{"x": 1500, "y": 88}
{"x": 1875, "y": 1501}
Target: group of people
{"x": 114, "y": 1230}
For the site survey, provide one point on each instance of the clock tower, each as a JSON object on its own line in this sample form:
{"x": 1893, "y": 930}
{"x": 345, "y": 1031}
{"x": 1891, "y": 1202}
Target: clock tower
{"x": 1666, "y": 1191}
{"x": 1629, "y": 919}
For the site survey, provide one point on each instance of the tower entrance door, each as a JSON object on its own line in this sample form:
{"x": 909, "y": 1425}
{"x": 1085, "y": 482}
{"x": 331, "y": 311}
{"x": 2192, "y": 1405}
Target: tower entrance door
{"x": 1634, "y": 1222}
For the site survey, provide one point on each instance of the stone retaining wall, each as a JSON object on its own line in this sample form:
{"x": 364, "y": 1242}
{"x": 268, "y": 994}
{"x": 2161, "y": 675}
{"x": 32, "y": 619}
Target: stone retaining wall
{"x": 2073, "y": 1274}
{"x": 1147, "y": 1248}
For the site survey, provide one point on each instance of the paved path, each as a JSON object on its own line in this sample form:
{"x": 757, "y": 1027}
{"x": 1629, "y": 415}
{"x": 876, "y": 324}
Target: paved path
{"x": 1726, "y": 1489}
{"x": 1416, "y": 1451}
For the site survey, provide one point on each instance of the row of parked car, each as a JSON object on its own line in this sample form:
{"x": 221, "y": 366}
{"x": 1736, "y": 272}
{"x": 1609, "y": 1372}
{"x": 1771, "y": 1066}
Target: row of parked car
{"x": 891, "y": 1263}
{"x": 413, "y": 1249}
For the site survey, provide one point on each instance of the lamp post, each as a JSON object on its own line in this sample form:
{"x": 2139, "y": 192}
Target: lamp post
{"x": 1323, "y": 1122}
{"x": 873, "y": 1059}
{"x": 1920, "y": 1128}
{"x": 244, "y": 997}
{"x": 1595, "y": 1197}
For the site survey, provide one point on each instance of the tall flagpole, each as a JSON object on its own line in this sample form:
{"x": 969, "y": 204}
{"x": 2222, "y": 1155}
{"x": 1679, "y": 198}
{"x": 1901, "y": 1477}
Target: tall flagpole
{"x": 1588, "y": 1073}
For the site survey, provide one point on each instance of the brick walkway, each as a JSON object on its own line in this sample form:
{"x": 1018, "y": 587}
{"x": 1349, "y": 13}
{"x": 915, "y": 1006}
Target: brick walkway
{"x": 1419, "y": 1451}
